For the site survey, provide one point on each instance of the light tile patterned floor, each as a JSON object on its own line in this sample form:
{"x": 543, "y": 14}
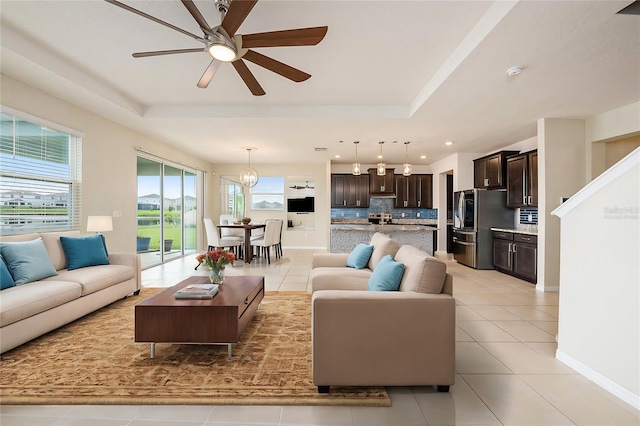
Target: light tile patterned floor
{"x": 507, "y": 372}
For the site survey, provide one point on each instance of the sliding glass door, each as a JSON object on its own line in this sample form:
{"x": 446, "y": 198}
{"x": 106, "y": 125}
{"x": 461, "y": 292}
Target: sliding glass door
{"x": 166, "y": 212}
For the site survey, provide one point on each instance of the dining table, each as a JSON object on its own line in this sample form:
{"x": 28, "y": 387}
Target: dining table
{"x": 248, "y": 249}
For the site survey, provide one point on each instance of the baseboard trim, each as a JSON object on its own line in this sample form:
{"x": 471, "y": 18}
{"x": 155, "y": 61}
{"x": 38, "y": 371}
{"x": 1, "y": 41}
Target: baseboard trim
{"x": 548, "y": 288}
{"x": 600, "y": 380}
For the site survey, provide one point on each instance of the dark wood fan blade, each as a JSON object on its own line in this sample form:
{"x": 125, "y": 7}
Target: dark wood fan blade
{"x": 297, "y": 37}
{"x": 248, "y": 77}
{"x": 238, "y": 11}
{"x": 208, "y": 74}
{"x": 276, "y": 66}
{"x": 154, "y": 19}
{"x": 167, "y": 52}
{"x": 193, "y": 10}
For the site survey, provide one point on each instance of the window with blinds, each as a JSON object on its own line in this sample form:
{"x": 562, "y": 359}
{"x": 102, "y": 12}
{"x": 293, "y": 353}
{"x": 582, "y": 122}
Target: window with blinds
{"x": 40, "y": 177}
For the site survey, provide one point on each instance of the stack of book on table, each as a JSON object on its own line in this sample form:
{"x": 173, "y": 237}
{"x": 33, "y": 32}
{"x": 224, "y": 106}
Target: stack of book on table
{"x": 197, "y": 291}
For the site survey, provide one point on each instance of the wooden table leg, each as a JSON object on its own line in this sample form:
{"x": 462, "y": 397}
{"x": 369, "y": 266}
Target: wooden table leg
{"x": 248, "y": 253}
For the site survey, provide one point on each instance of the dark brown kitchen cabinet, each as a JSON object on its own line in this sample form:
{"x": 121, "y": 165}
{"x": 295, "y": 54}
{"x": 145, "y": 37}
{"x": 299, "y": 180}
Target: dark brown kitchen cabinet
{"x": 516, "y": 254}
{"x": 525, "y": 257}
{"x": 522, "y": 180}
{"x": 502, "y": 243}
{"x": 414, "y": 191}
{"x": 381, "y": 185}
{"x": 489, "y": 172}
{"x": 425, "y": 191}
{"x": 349, "y": 190}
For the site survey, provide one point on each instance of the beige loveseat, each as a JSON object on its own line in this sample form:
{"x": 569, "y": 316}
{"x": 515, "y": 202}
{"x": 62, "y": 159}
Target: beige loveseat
{"x": 32, "y": 309}
{"x": 382, "y": 338}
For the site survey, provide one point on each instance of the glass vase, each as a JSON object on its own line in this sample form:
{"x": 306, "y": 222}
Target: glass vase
{"x": 216, "y": 275}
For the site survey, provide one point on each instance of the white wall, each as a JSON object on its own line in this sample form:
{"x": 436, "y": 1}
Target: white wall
{"x": 599, "y": 315}
{"x": 561, "y": 173}
{"x": 318, "y": 172}
{"x": 109, "y": 158}
{"x": 614, "y": 124}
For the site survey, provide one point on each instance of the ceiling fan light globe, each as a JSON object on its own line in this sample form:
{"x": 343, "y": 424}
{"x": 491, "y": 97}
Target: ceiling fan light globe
{"x": 222, "y": 52}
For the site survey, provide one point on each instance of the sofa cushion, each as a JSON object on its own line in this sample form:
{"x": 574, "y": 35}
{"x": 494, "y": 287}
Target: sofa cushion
{"x": 423, "y": 273}
{"x": 332, "y": 278}
{"x": 382, "y": 246}
{"x": 27, "y": 260}
{"x": 97, "y": 278}
{"x": 29, "y": 299}
{"x": 386, "y": 276}
{"x": 6, "y": 280}
{"x": 54, "y": 247}
{"x": 359, "y": 256}
{"x": 84, "y": 251}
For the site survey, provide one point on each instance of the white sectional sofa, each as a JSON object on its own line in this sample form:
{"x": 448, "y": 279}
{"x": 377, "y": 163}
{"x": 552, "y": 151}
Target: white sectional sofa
{"x": 35, "y": 308}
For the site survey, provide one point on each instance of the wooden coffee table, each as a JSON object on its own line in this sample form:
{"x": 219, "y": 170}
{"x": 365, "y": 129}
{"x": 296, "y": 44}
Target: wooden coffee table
{"x": 222, "y": 320}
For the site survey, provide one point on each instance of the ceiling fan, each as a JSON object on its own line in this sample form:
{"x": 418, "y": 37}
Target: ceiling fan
{"x": 302, "y": 187}
{"x": 224, "y": 45}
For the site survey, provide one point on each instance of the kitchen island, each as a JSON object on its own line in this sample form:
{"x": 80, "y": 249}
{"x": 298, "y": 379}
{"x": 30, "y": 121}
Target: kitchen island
{"x": 344, "y": 237}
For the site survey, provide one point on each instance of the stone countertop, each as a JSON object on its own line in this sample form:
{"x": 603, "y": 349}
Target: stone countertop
{"x": 395, "y": 221}
{"x": 382, "y": 228}
{"x": 522, "y": 229}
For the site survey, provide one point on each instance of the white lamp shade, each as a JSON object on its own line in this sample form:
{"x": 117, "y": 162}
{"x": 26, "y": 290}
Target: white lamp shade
{"x": 99, "y": 224}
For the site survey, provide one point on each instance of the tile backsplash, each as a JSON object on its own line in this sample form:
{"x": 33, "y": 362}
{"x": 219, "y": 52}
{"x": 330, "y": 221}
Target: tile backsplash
{"x": 383, "y": 205}
{"x": 523, "y": 218}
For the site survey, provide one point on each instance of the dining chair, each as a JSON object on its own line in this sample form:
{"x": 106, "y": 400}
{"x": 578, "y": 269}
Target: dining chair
{"x": 229, "y": 219}
{"x": 265, "y": 243}
{"x": 277, "y": 246}
{"x": 214, "y": 241}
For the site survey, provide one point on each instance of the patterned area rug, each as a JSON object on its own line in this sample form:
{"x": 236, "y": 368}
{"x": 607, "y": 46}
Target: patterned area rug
{"x": 94, "y": 360}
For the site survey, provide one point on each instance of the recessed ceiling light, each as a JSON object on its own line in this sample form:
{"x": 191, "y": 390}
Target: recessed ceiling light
{"x": 423, "y": 156}
{"x": 448, "y": 143}
{"x": 513, "y": 71}
{"x": 337, "y": 155}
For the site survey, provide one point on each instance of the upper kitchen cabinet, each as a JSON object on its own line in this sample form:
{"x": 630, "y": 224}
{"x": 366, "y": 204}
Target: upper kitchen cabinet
{"x": 415, "y": 191}
{"x": 489, "y": 172}
{"x": 522, "y": 180}
{"x": 349, "y": 190}
{"x": 381, "y": 185}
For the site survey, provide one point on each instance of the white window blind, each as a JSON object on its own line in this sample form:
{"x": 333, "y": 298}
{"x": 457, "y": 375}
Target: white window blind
{"x": 40, "y": 177}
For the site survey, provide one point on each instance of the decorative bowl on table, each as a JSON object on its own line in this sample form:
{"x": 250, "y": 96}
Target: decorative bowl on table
{"x": 246, "y": 220}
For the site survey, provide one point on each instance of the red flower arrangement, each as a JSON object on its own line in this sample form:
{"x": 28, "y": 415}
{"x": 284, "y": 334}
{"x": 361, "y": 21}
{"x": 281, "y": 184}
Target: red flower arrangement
{"x": 216, "y": 259}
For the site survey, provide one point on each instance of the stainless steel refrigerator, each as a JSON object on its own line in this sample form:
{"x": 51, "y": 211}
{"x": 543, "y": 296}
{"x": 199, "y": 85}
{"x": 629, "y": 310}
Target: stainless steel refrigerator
{"x": 475, "y": 212}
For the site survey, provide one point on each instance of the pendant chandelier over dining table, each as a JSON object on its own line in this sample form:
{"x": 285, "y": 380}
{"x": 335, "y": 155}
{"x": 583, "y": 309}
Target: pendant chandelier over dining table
{"x": 249, "y": 177}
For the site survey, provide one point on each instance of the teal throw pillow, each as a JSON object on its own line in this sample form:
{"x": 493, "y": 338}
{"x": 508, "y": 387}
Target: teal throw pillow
{"x": 6, "y": 280}
{"x": 27, "y": 261}
{"x": 386, "y": 276}
{"x": 359, "y": 257}
{"x": 85, "y": 251}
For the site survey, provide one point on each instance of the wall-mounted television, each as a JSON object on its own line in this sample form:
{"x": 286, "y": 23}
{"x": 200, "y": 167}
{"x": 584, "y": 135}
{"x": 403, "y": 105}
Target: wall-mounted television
{"x": 300, "y": 205}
